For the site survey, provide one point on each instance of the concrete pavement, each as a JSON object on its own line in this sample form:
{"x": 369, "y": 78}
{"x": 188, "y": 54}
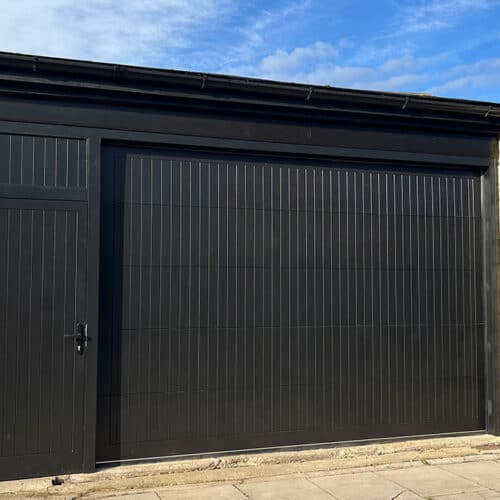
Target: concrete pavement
{"x": 438, "y": 467}
{"x": 465, "y": 478}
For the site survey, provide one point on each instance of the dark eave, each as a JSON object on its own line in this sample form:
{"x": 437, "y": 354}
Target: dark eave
{"x": 47, "y": 77}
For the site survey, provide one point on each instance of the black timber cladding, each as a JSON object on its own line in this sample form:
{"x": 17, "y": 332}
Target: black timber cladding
{"x": 77, "y": 109}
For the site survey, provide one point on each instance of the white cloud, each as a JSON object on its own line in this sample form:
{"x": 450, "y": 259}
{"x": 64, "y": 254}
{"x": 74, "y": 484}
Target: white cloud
{"x": 203, "y": 35}
{"x": 400, "y": 82}
{"x": 429, "y": 15}
{"x": 409, "y": 62}
{"x": 282, "y": 63}
{"x": 283, "y": 60}
{"x": 255, "y": 31}
{"x": 126, "y": 31}
{"x": 467, "y": 78}
{"x": 323, "y": 64}
{"x": 337, "y": 75}
{"x": 365, "y": 78}
{"x": 319, "y": 63}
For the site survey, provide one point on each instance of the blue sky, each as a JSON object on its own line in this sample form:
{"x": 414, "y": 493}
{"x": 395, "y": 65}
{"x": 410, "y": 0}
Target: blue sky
{"x": 442, "y": 47}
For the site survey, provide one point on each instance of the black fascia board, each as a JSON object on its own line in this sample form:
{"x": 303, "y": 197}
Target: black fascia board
{"x": 24, "y": 75}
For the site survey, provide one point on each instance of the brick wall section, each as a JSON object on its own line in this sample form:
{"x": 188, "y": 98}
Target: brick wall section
{"x": 495, "y": 283}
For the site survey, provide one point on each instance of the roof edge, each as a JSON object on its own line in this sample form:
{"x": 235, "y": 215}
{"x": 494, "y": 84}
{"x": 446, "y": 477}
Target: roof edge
{"x": 296, "y": 92}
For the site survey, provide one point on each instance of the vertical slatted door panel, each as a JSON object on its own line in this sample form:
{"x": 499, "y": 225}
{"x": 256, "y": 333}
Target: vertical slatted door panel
{"x": 42, "y": 297}
{"x": 251, "y": 304}
{"x": 37, "y": 161}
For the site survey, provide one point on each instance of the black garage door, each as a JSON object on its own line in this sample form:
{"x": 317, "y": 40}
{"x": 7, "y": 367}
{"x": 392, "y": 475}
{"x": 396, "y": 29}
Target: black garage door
{"x": 251, "y": 303}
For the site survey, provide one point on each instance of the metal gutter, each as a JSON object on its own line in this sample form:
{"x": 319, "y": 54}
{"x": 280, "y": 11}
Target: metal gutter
{"x": 157, "y": 83}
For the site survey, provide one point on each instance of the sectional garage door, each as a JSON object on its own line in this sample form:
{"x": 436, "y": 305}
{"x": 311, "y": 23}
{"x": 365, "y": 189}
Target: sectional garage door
{"x": 251, "y": 303}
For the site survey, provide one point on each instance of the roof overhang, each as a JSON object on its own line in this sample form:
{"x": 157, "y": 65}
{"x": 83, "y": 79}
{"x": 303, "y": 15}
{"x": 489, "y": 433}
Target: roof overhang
{"x": 47, "y": 77}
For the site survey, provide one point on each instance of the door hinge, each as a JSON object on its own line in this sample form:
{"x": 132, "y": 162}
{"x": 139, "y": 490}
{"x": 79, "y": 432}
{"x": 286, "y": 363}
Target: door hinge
{"x": 490, "y": 407}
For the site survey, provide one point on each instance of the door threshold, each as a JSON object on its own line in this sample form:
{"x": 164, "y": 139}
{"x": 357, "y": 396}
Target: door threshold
{"x": 294, "y": 447}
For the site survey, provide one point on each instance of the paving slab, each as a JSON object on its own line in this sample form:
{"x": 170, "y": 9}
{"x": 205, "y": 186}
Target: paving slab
{"x": 487, "y": 474}
{"x": 37, "y": 497}
{"x": 224, "y": 492}
{"x": 136, "y": 496}
{"x": 430, "y": 481}
{"x": 478, "y": 495}
{"x": 284, "y": 489}
{"x": 363, "y": 485}
{"x": 456, "y": 460}
{"x": 407, "y": 495}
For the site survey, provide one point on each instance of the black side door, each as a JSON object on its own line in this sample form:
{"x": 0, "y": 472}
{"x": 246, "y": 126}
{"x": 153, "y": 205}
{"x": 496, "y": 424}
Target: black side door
{"x": 43, "y": 259}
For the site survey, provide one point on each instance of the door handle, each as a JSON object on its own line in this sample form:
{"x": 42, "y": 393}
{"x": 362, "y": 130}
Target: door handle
{"x": 81, "y": 337}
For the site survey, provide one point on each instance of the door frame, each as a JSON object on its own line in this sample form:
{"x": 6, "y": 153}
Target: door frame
{"x": 93, "y": 258}
{"x": 490, "y": 341}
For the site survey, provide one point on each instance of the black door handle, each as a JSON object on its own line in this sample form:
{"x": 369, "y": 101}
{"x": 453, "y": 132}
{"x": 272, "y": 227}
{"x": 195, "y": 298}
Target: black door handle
{"x": 81, "y": 337}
